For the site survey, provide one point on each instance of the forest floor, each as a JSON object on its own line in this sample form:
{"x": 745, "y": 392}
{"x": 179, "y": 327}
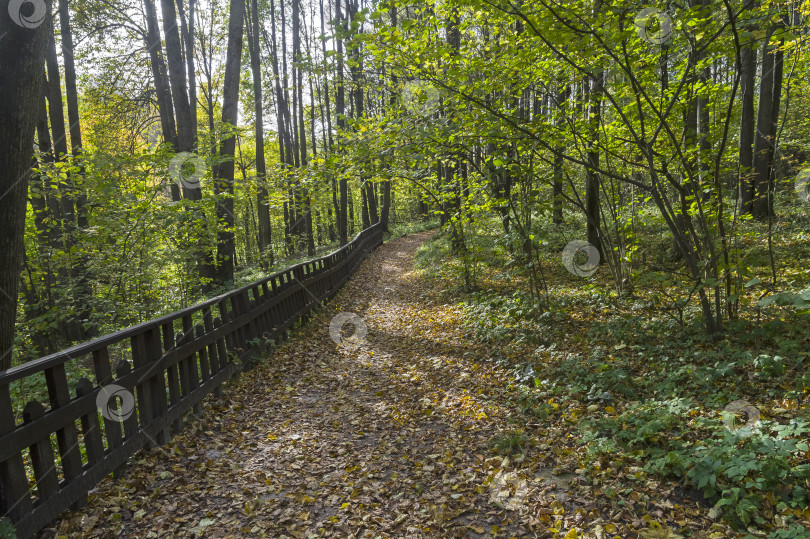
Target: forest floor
{"x": 406, "y": 433}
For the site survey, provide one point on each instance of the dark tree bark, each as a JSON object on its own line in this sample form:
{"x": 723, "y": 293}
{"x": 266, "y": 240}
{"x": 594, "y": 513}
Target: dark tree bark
{"x": 560, "y": 98}
{"x": 385, "y": 211}
{"x": 326, "y": 79}
{"x": 21, "y": 76}
{"x": 71, "y": 93}
{"x": 177, "y": 79}
{"x": 56, "y": 115}
{"x": 225, "y": 171}
{"x": 351, "y": 213}
{"x": 748, "y": 69}
{"x": 364, "y": 208}
{"x": 282, "y": 112}
{"x": 286, "y": 147}
{"x": 162, "y": 90}
{"x": 262, "y": 206}
{"x": 592, "y": 209}
{"x": 187, "y": 31}
{"x": 84, "y": 290}
{"x": 766, "y": 129}
{"x": 340, "y": 111}
{"x": 303, "y": 199}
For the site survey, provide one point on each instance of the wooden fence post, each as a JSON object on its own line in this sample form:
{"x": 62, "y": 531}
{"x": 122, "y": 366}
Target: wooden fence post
{"x": 66, "y": 437}
{"x": 91, "y": 428}
{"x": 130, "y": 422}
{"x": 42, "y": 460}
{"x": 15, "y": 498}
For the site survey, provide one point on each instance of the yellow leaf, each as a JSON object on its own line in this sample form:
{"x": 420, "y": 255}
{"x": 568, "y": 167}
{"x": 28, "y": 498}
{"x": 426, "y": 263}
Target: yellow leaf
{"x": 609, "y": 409}
{"x": 572, "y": 534}
{"x": 345, "y": 505}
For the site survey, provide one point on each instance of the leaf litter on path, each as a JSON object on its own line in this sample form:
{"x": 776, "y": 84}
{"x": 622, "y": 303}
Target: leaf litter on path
{"x": 387, "y": 436}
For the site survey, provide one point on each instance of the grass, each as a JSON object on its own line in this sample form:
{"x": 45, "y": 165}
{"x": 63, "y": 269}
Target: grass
{"x": 510, "y": 443}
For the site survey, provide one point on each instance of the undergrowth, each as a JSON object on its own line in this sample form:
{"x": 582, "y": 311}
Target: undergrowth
{"x": 726, "y": 418}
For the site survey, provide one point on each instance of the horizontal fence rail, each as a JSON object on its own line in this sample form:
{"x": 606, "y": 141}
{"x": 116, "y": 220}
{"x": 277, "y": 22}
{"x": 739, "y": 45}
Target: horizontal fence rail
{"x": 146, "y": 379}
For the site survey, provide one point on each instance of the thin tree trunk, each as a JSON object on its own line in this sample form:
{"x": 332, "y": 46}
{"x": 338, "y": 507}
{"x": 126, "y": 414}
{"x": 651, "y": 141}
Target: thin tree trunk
{"x": 56, "y": 114}
{"x": 364, "y": 207}
{"x": 592, "y": 210}
{"x": 766, "y": 131}
{"x": 187, "y": 29}
{"x": 298, "y": 76}
{"x": 351, "y": 214}
{"x": 177, "y": 79}
{"x": 225, "y": 171}
{"x": 392, "y": 102}
{"x": 84, "y": 290}
{"x": 325, "y": 78}
{"x": 161, "y": 79}
{"x": 748, "y": 69}
{"x": 340, "y": 110}
{"x": 262, "y": 205}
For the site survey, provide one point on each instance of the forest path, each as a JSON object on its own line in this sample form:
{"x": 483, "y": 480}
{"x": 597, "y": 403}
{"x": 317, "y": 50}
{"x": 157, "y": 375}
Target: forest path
{"x": 386, "y": 437}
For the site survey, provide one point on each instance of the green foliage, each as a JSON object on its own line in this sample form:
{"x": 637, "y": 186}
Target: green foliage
{"x": 495, "y": 318}
{"x": 668, "y": 382}
{"x": 7, "y": 529}
{"x": 735, "y": 469}
{"x": 510, "y": 443}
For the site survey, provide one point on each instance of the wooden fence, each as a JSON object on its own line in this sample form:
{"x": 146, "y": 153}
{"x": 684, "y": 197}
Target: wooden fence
{"x": 164, "y": 367}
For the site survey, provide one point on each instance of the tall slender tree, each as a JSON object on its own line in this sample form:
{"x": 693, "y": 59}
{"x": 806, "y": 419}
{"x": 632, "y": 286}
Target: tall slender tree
{"x": 225, "y": 171}
{"x": 340, "y": 112}
{"x": 262, "y": 205}
{"x": 747, "y": 68}
{"x": 770, "y": 90}
{"x": 177, "y": 78}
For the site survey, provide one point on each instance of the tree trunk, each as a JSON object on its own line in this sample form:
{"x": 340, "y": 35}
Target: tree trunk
{"x": 326, "y": 79}
{"x": 59, "y": 136}
{"x": 386, "y": 205}
{"x": 187, "y": 30}
{"x": 21, "y": 76}
{"x": 351, "y": 214}
{"x": 364, "y": 207}
{"x": 162, "y": 89}
{"x": 177, "y": 79}
{"x": 84, "y": 289}
{"x": 766, "y": 132}
{"x": 748, "y": 69}
{"x": 592, "y": 210}
{"x": 262, "y": 206}
{"x": 557, "y": 174}
{"x": 340, "y": 110}
{"x": 225, "y": 171}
